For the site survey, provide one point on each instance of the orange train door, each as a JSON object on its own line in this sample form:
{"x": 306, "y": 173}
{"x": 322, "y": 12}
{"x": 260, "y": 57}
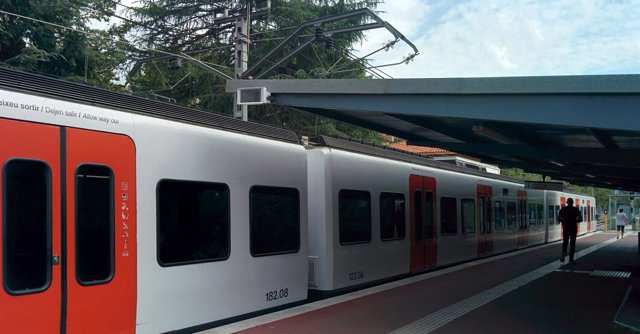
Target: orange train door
{"x": 424, "y": 242}
{"x": 67, "y": 266}
{"x": 31, "y": 293}
{"x": 100, "y": 238}
{"x": 485, "y": 232}
{"x": 523, "y": 224}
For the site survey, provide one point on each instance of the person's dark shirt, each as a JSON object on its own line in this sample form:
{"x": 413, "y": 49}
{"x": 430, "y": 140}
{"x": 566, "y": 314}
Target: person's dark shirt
{"x": 570, "y": 216}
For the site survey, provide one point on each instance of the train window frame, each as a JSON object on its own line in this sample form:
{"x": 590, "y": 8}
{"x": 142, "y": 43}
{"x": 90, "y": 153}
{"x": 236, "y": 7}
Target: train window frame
{"x": 499, "y": 206}
{"x": 470, "y": 225}
{"x": 399, "y": 228}
{"x": 367, "y": 219}
{"x": 448, "y": 211}
{"x": 47, "y": 222}
{"x": 256, "y": 234}
{"x": 223, "y": 189}
{"x": 85, "y": 246}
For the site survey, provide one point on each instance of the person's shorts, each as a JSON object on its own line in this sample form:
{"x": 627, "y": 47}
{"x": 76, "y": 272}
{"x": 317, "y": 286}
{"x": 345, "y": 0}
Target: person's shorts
{"x": 620, "y": 228}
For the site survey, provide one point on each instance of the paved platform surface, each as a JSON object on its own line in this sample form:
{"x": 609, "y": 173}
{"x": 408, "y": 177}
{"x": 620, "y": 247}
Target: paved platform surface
{"x": 529, "y": 291}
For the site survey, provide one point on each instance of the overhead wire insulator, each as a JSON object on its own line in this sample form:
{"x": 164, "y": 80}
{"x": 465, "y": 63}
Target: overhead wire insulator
{"x": 319, "y": 32}
{"x": 328, "y": 42}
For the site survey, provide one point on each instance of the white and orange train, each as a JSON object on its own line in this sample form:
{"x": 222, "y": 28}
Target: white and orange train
{"x": 125, "y": 215}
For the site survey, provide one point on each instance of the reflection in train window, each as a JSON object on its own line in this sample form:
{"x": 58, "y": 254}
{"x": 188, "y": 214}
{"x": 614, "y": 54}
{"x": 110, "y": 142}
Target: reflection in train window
{"x": 392, "y": 216}
{"x": 500, "y": 215}
{"x": 468, "y": 215}
{"x": 354, "y": 216}
{"x": 274, "y": 220}
{"x": 192, "y": 222}
{"x": 448, "y": 216}
{"x": 26, "y": 245}
{"x": 557, "y": 210}
{"x": 94, "y": 224}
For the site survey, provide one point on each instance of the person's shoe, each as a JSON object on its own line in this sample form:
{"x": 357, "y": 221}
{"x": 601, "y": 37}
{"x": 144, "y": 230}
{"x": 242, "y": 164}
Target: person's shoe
{"x": 562, "y": 259}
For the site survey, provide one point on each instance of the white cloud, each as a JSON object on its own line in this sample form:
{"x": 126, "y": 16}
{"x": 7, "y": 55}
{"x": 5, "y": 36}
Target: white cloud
{"x": 513, "y": 37}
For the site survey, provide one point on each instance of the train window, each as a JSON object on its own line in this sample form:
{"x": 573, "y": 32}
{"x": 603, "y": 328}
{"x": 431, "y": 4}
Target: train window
{"x": 428, "y": 211}
{"x": 499, "y": 214}
{"x": 448, "y": 216}
{"x": 551, "y": 218}
{"x": 532, "y": 213}
{"x": 275, "y": 220}
{"x": 417, "y": 214}
{"x": 557, "y": 210}
{"x": 192, "y": 222}
{"x": 540, "y": 214}
{"x": 392, "y": 216}
{"x": 468, "y": 215}
{"x": 94, "y": 224}
{"x": 26, "y": 239}
{"x": 512, "y": 217}
{"x": 354, "y": 216}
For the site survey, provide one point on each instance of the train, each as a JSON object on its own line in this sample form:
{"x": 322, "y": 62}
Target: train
{"x": 127, "y": 215}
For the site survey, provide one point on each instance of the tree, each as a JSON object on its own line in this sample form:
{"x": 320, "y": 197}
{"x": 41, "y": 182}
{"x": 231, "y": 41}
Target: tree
{"x": 190, "y": 27}
{"x": 51, "y": 37}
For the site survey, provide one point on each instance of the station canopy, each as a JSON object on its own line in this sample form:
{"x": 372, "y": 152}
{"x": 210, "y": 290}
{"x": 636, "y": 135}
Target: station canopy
{"x": 581, "y": 129}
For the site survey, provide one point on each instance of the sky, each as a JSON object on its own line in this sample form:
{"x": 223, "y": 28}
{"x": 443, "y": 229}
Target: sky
{"x": 488, "y": 38}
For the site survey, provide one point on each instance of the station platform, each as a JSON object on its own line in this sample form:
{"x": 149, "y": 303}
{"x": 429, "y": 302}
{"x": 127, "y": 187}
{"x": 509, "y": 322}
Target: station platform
{"x": 528, "y": 291}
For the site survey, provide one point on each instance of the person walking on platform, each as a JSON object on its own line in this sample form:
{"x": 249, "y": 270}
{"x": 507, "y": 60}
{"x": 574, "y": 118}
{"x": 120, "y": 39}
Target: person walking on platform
{"x": 621, "y": 221}
{"x": 569, "y": 216}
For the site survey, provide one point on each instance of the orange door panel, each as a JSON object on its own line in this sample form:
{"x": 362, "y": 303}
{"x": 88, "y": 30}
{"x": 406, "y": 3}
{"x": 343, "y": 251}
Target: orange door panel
{"x": 101, "y": 276}
{"x": 485, "y": 230}
{"x": 424, "y": 242}
{"x": 523, "y": 224}
{"x": 30, "y": 300}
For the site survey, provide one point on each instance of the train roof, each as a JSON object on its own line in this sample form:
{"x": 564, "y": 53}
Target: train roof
{"x": 36, "y": 84}
{"x": 381, "y": 151}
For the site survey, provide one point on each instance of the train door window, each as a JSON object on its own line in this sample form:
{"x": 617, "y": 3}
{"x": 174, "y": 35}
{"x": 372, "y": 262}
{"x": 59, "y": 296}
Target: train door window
{"x": 428, "y": 211}
{"x": 192, "y": 222}
{"x": 499, "y": 214}
{"x": 417, "y": 214}
{"x": 557, "y": 212}
{"x": 94, "y": 224}
{"x": 511, "y": 216}
{"x": 392, "y": 216}
{"x": 448, "y": 216}
{"x": 26, "y": 239}
{"x": 468, "y": 215}
{"x": 275, "y": 220}
{"x": 522, "y": 214}
{"x": 354, "y": 216}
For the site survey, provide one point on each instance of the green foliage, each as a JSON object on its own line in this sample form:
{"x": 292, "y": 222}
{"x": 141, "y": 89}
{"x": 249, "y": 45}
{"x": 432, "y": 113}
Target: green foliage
{"x": 64, "y": 48}
{"x": 189, "y": 27}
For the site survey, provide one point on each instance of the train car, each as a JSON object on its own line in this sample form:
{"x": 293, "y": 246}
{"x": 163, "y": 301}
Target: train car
{"x": 379, "y": 214}
{"x": 123, "y": 215}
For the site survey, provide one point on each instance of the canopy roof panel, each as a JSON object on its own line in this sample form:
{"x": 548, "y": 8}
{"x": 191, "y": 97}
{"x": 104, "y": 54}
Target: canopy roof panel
{"x": 580, "y": 129}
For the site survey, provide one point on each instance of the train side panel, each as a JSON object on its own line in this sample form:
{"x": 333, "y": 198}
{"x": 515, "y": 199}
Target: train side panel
{"x": 173, "y": 296}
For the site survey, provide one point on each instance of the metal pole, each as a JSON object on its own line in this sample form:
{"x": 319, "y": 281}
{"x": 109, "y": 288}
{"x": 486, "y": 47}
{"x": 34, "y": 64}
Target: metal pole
{"x": 242, "y": 59}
